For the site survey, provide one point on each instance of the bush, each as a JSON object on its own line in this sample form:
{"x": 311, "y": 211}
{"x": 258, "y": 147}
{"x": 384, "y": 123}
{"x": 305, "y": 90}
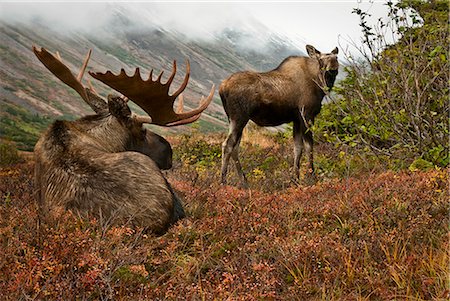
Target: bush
{"x": 8, "y": 154}
{"x": 394, "y": 100}
{"x": 21, "y": 126}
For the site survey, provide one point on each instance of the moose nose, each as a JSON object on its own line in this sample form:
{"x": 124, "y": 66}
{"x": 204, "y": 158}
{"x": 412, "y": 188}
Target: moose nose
{"x": 332, "y": 72}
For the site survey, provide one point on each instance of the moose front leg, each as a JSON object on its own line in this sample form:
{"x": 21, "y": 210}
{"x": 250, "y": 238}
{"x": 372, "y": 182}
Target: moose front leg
{"x": 308, "y": 142}
{"x": 306, "y": 122}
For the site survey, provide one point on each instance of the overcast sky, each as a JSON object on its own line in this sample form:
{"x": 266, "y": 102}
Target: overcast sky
{"x": 324, "y": 24}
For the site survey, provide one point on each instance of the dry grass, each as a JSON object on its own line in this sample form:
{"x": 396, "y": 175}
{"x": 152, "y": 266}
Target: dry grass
{"x": 361, "y": 233}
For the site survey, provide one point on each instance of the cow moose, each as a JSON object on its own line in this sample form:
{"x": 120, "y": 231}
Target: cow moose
{"x": 109, "y": 164}
{"x": 292, "y": 92}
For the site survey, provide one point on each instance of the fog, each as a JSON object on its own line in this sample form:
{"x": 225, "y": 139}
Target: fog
{"x": 324, "y": 24}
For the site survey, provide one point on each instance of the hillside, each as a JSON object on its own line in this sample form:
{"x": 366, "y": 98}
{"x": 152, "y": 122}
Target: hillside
{"x": 30, "y": 97}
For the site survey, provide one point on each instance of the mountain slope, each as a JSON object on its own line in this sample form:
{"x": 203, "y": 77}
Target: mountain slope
{"x": 30, "y": 92}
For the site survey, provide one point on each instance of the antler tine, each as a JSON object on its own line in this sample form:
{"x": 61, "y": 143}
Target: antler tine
{"x": 141, "y": 119}
{"x": 188, "y": 117}
{"x": 185, "y": 82}
{"x": 91, "y": 87}
{"x": 172, "y": 76}
{"x": 160, "y": 76}
{"x": 150, "y": 76}
{"x": 137, "y": 72}
{"x": 180, "y": 104}
{"x": 83, "y": 67}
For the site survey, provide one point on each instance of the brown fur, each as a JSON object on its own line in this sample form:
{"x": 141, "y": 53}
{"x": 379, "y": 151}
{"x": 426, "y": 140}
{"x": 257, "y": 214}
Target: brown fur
{"x": 107, "y": 165}
{"x": 292, "y": 92}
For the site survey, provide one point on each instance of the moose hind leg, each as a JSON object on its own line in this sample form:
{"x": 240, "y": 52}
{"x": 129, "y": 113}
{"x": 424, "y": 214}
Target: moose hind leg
{"x": 229, "y": 146}
{"x": 237, "y": 163}
{"x": 298, "y": 148}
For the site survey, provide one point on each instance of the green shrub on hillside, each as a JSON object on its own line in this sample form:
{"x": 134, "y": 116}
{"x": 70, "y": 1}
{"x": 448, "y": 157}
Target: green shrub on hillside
{"x": 21, "y": 126}
{"x": 8, "y": 154}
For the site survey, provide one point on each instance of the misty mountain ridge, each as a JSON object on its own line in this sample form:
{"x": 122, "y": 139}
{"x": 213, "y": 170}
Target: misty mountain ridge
{"x": 28, "y": 90}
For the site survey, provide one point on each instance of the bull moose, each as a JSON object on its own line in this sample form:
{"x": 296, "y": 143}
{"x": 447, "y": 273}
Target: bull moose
{"x": 109, "y": 164}
{"x": 292, "y": 92}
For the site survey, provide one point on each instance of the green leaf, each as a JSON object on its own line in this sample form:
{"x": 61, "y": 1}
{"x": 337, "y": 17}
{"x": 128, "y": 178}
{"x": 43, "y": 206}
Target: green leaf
{"x": 420, "y": 164}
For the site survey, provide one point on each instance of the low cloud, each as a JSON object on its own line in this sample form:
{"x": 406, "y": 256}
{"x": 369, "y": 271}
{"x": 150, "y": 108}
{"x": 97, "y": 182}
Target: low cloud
{"x": 58, "y": 16}
{"x": 323, "y": 24}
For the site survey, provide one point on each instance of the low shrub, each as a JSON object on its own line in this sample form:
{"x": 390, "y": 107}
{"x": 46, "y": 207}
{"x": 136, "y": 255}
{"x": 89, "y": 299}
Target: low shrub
{"x": 8, "y": 153}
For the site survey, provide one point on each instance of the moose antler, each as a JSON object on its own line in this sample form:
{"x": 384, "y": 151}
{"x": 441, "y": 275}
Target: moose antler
{"x": 153, "y": 96}
{"x": 62, "y": 72}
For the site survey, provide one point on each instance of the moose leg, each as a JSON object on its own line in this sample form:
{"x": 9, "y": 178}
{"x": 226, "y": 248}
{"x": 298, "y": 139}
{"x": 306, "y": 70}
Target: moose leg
{"x": 237, "y": 163}
{"x": 298, "y": 148}
{"x": 308, "y": 142}
{"x": 229, "y": 146}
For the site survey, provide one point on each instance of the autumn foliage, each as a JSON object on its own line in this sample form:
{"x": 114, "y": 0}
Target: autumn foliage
{"x": 375, "y": 235}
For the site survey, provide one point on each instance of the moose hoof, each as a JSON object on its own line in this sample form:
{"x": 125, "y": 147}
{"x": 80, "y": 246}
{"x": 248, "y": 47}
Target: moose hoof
{"x": 310, "y": 179}
{"x": 244, "y": 185}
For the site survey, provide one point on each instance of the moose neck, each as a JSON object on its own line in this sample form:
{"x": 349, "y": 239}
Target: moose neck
{"x": 104, "y": 132}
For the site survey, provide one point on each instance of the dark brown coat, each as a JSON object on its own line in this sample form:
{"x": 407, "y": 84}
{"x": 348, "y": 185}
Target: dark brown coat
{"x": 108, "y": 164}
{"x": 292, "y": 92}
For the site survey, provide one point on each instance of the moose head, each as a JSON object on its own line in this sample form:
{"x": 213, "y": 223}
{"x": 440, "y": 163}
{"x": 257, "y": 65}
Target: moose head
{"x": 328, "y": 64}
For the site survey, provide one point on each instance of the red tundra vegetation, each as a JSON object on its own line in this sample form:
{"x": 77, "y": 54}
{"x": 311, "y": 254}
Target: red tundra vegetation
{"x": 379, "y": 235}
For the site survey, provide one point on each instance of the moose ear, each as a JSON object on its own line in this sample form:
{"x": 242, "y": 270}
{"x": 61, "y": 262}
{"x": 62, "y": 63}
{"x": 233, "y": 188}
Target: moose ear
{"x": 118, "y": 107}
{"x": 335, "y": 51}
{"x": 312, "y": 52}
